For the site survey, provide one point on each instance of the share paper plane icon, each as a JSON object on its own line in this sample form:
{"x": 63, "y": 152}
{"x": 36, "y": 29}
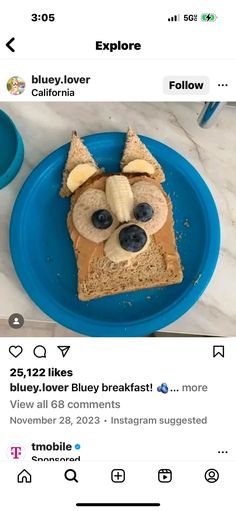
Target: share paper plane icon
{"x": 64, "y": 350}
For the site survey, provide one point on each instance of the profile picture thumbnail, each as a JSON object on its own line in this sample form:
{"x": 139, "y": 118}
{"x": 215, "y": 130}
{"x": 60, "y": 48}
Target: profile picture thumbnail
{"x": 16, "y": 85}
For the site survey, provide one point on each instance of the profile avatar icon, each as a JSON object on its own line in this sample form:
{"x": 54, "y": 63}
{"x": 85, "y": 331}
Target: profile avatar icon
{"x": 212, "y": 475}
{"x": 16, "y": 85}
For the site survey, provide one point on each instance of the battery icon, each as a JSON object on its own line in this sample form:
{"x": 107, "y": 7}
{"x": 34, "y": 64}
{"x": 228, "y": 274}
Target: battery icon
{"x": 208, "y": 16}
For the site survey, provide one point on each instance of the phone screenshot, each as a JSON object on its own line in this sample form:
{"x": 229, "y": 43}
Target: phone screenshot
{"x": 117, "y": 256}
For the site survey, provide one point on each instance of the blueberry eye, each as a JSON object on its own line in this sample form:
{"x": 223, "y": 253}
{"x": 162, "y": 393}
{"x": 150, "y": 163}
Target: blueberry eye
{"x": 143, "y": 212}
{"x": 102, "y": 219}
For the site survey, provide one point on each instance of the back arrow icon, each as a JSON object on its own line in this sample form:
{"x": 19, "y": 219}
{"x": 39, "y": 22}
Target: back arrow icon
{"x": 8, "y": 44}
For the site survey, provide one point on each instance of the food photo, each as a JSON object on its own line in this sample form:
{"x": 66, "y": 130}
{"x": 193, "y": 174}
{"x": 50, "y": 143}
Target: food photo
{"x": 117, "y": 219}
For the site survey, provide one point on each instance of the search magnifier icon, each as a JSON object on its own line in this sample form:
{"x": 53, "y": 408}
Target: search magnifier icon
{"x": 70, "y": 475}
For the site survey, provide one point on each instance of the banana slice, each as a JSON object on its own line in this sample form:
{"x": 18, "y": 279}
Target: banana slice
{"x": 114, "y": 251}
{"x": 88, "y": 202}
{"x": 79, "y": 175}
{"x": 139, "y": 167}
{"x": 150, "y": 194}
{"x": 120, "y": 197}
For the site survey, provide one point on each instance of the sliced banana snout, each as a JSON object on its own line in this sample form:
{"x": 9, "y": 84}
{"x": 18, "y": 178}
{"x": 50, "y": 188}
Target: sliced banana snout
{"x": 139, "y": 167}
{"x": 120, "y": 197}
{"x": 115, "y": 252}
{"x": 79, "y": 175}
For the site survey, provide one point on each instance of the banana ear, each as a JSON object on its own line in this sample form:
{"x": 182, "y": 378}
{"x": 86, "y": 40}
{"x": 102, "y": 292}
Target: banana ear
{"x": 80, "y": 166}
{"x": 137, "y": 159}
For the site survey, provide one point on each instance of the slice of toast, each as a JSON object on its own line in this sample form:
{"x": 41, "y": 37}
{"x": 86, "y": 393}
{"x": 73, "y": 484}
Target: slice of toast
{"x": 135, "y": 149}
{"x": 158, "y": 266}
{"x": 98, "y": 276}
{"x": 78, "y": 153}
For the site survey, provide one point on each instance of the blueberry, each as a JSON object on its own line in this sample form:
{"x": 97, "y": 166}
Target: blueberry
{"x": 132, "y": 238}
{"x": 102, "y": 219}
{"x": 143, "y": 212}
{"x": 164, "y": 388}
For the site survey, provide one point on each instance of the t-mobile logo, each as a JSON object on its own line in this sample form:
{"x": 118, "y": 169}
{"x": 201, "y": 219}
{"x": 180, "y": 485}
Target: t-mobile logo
{"x": 16, "y": 452}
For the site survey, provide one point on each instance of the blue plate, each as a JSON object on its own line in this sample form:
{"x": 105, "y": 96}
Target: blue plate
{"x": 44, "y": 260}
{"x": 11, "y": 150}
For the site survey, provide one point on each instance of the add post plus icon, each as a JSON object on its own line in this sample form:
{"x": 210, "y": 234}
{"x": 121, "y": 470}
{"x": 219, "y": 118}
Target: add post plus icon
{"x": 118, "y": 475}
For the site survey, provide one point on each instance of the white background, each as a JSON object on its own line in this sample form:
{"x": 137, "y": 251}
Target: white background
{"x": 123, "y": 80}
{"x": 67, "y": 46}
{"x": 188, "y": 450}
{"x": 79, "y": 24}
{"x": 167, "y": 49}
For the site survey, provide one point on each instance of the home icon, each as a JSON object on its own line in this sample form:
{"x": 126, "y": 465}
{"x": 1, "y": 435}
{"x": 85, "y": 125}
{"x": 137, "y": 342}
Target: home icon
{"x": 24, "y": 477}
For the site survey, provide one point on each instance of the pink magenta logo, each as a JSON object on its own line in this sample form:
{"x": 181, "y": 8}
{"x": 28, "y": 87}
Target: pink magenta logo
{"x": 15, "y": 452}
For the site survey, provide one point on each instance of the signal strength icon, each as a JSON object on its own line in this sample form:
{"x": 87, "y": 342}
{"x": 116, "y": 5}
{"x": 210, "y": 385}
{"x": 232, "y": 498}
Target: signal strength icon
{"x": 176, "y": 17}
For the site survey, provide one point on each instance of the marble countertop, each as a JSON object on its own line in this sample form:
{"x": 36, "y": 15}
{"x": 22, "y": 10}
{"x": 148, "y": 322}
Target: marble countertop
{"x": 46, "y": 126}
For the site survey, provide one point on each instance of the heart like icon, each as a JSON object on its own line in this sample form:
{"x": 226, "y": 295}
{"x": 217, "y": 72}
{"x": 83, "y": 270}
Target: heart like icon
{"x": 15, "y": 351}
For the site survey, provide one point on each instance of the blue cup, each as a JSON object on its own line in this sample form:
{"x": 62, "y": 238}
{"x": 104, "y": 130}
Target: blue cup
{"x": 11, "y": 150}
